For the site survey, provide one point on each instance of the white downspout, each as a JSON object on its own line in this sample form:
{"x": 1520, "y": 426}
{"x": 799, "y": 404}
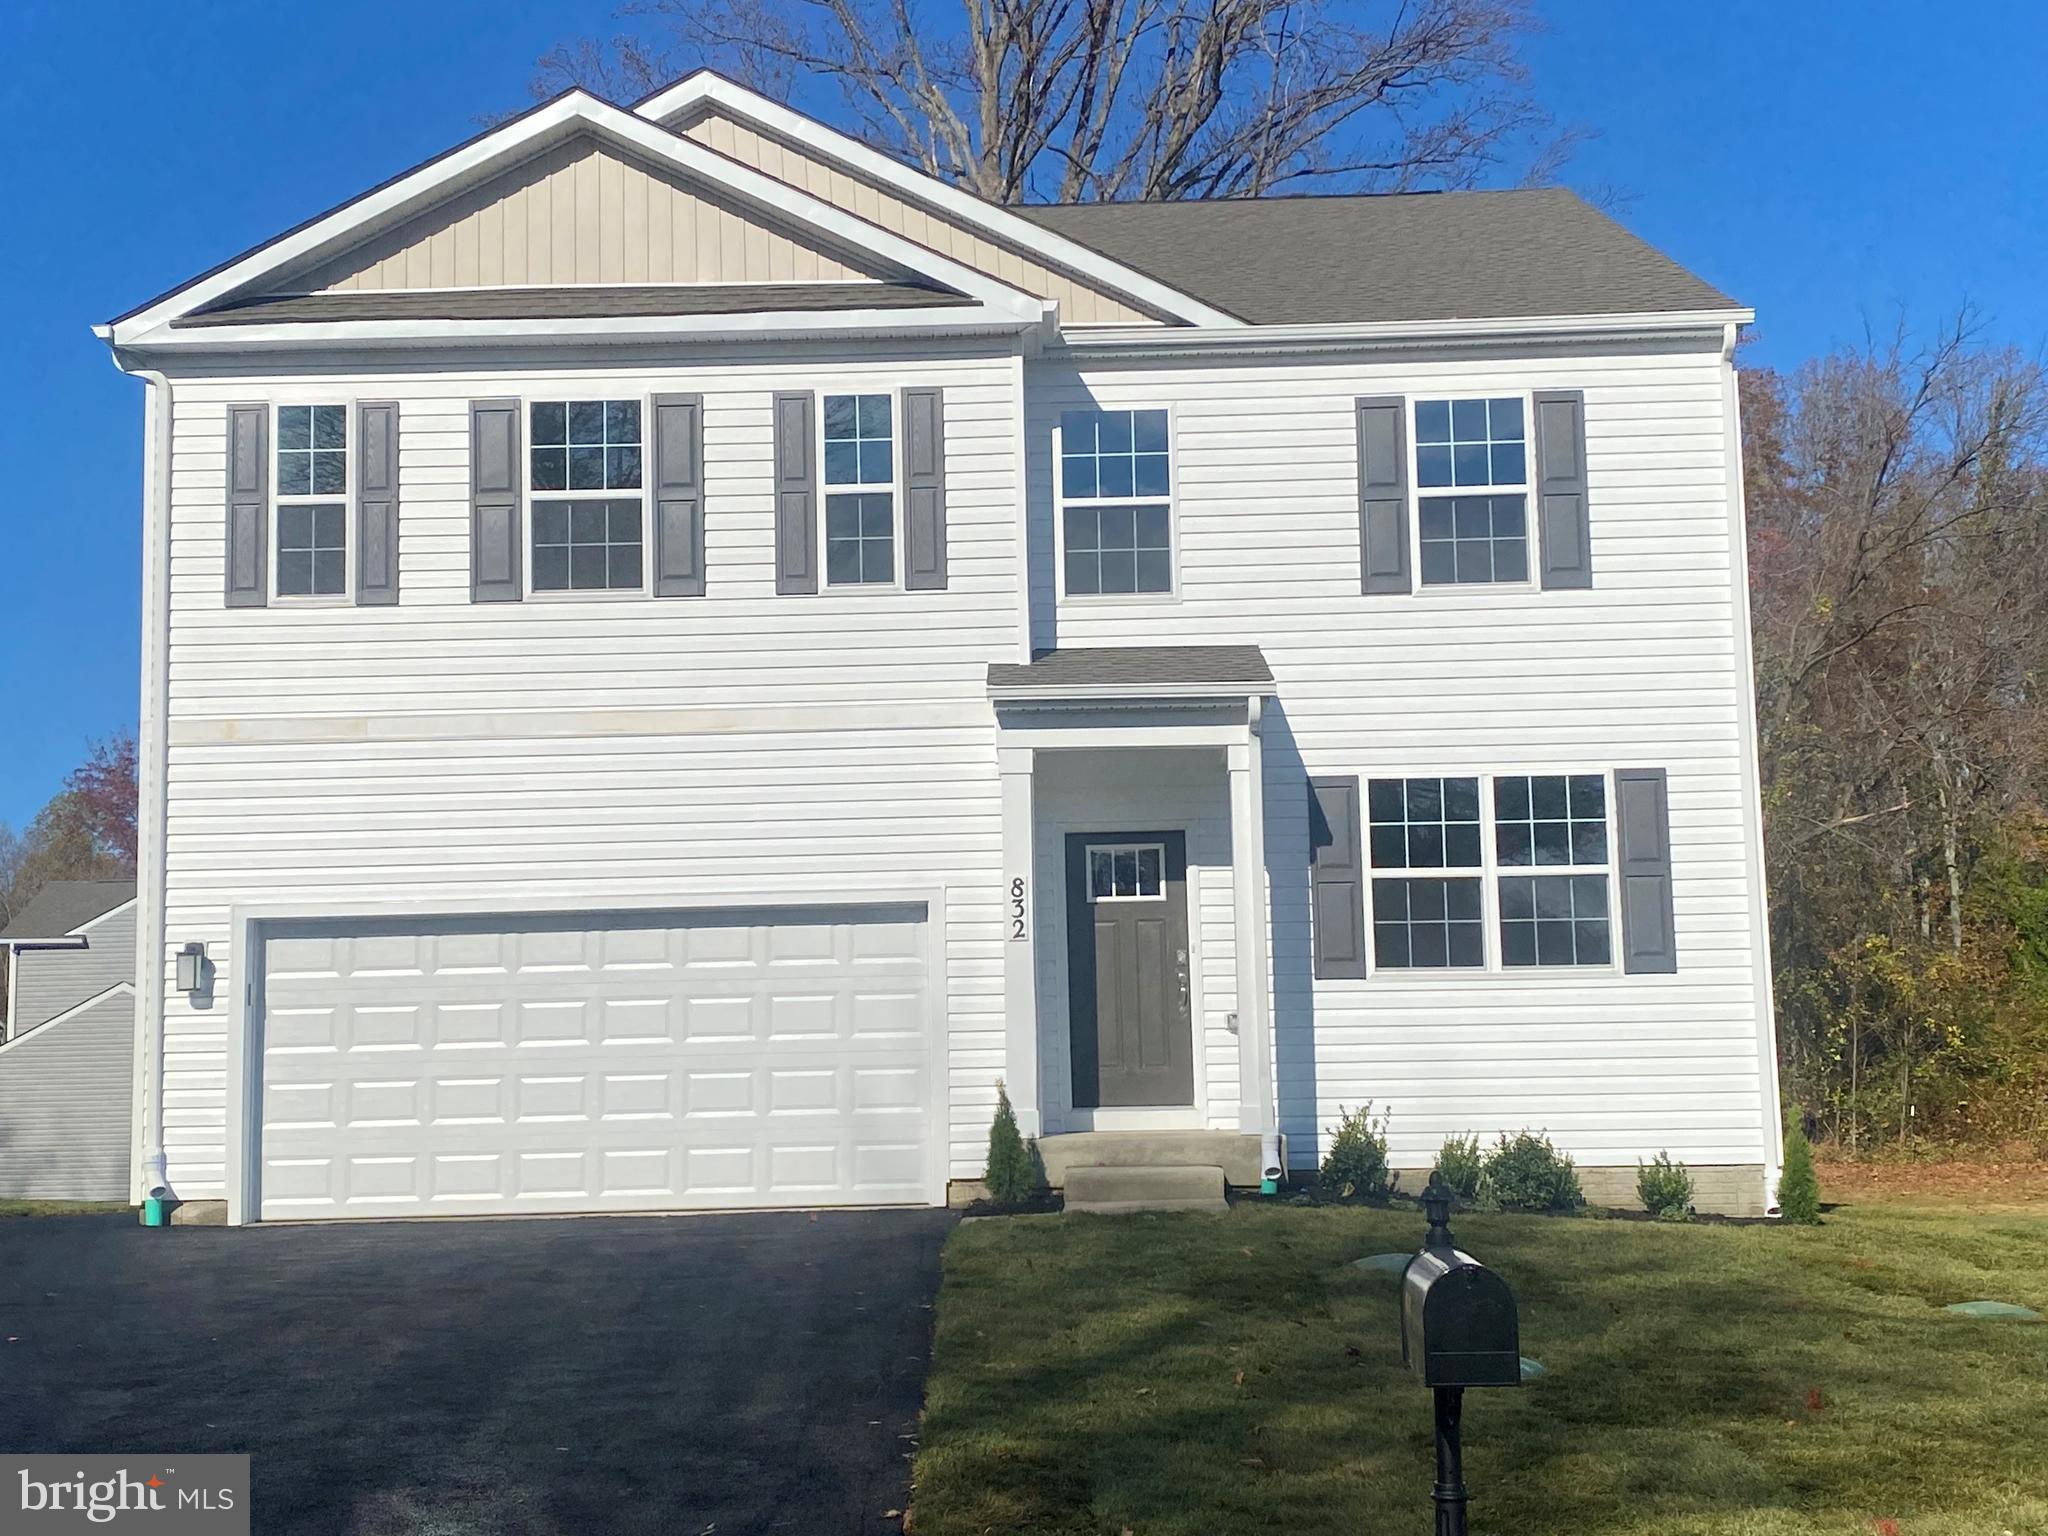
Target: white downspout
{"x": 1272, "y": 1168}
{"x": 153, "y": 759}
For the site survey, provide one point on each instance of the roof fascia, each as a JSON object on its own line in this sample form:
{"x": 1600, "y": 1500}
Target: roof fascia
{"x": 1122, "y": 694}
{"x": 527, "y": 135}
{"x": 766, "y": 325}
{"x": 1150, "y": 341}
{"x": 93, "y": 922}
{"x": 992, "y": 219}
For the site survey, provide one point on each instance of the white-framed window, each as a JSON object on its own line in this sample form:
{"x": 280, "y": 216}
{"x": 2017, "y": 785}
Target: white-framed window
{"x": 1472, "y": 490}
{"x": 588, "y": 513}
{"x": 1126, "y": 871}
{"x": 1115, "y": 513}
{"x": 309, "y": 520}
{"x": 1554, "y": 825}
{"x": 1491, "y": 871}
{"x": 1425, "y": 914}
{"x": 857, "y": 436}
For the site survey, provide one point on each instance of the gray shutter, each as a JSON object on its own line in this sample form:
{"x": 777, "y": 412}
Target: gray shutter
{"x": 377, "y": 502}
{"x": 796, "y": 496}
{"x": 1561, "y": 515}
{"x": 924, "y": 489}
{"x": 1383, "y": 494}
{"x": 1643, "y": 816}
{"x": 495, "y": 477}
{"x": 248, "y": 512}
{"x": 1336, "y": 878}
{"x": 678, "y": 532}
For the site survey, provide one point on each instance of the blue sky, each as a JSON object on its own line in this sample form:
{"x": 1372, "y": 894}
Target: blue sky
{"x": 1836, "y": 165}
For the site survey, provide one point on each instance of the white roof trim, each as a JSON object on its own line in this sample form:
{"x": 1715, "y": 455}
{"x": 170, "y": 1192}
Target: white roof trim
{"x": 1136, "y": 340}
{"x": 765, "y": 325}
{"x": 22, "y": 1037}
{"x": 707, "y": 87}
{"x": 570, "y": 113}
{"x": 1126, "y": 693}
{"x": 94, "y": 922}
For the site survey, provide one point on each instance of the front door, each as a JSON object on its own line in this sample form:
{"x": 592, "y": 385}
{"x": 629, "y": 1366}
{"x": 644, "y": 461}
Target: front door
{"x": 1129, "y": 1022}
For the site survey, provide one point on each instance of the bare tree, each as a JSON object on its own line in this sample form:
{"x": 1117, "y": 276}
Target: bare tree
{"x": 1898, "y": 503}
{"x": 1097, "y": 100}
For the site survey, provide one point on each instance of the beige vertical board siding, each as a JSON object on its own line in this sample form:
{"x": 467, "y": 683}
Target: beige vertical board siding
{"x": 1640, "y": 671}
{"x": 1080, "y": 302}
{"x": 66, "y": 1096}
{"x": 590, "y": 751}
{"x": 582, "y": 213}
{"x": 48, "y": 982}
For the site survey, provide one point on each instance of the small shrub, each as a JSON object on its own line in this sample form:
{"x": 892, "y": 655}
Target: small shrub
{"x": 1527, "y": 1173}
{"x": 1355, "y": 1167}
{"x": 1012, "y": 1178}
{"x": 1799, "y": 1185}
{"x": 1665, "y": 1188}
{"x": 1460, "y": 1165}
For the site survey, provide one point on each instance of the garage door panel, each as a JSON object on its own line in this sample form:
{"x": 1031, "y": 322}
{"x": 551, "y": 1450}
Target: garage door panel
{"x": 576, "y": 1064}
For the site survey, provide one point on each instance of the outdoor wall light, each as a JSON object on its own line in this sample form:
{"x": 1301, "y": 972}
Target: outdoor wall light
{"x": 192, "y": 967}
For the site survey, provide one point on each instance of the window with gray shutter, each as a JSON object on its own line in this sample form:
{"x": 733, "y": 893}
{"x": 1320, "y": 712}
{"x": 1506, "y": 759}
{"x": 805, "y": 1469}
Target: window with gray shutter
{"x": 248, "y": 509}
{"x": 495, "y": 467}
{"x": 1643, "y": 821}
{"x": 924, "y": 490}
{"x": 796, "y": 496}
{"x": 1336, "y": 879}
{"x": 678, "y": 486}
{"x": 377, "y": 503}
{"x": 1563, "y": 521}
{"x": 1383, "y": 495}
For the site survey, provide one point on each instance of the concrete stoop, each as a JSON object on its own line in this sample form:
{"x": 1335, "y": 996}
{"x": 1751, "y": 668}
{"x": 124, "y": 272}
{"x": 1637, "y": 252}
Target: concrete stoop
{"x": 1234, "y": 1152}
{"x": 1115, "y": 1191}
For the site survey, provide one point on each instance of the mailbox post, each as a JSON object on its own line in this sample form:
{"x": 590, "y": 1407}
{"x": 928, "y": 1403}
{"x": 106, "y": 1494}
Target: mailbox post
{"x": 1458, "y": 1330}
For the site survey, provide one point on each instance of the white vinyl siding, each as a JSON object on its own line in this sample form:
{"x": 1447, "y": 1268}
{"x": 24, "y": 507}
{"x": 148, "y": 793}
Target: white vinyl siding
{"x": 1640, "y": 671}
{"x": 591, "y": 750}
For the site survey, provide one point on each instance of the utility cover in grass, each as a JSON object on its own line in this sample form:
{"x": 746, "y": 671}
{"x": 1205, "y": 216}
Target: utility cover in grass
{"x": 1531, "y": 1369}
{"x": 1994, "y": 1309}
{"x": 1384, "y": 1263}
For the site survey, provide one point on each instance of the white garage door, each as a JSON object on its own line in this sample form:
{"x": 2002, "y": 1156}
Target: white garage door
{"x": 588, "y": 1063}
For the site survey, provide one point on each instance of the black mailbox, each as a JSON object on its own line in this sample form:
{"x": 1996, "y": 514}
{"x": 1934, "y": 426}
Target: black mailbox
{"x": 1458, "y": 1326}
{"x": 1458, "y": 1330}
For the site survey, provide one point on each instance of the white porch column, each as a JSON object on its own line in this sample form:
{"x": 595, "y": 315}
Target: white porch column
{"x": 1020, "y": 971}
{"x": 1257, "y": 1111}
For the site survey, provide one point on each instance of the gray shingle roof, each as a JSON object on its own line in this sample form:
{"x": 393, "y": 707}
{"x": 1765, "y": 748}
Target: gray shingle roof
{"x": 1411, "y": 256}
{"x": 573, "y": 303}
{"x": 63, "y": 905}
{"x": 1238, "y": 668}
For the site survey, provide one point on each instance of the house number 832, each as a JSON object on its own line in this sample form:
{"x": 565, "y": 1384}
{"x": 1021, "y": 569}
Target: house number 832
{"x": 1017, "y": 909}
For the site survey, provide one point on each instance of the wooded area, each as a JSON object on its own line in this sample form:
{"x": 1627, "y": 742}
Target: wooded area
{"x": 1898, "y": 511}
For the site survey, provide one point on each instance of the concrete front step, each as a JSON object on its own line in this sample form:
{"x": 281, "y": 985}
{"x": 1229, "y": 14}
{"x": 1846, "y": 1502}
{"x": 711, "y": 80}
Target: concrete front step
{"x": 1116, "y": 1191}
{"x": 1236, "y": 1153}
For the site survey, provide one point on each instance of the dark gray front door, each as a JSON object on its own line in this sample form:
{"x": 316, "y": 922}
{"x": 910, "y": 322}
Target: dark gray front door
{"x": 1127, "y": 969}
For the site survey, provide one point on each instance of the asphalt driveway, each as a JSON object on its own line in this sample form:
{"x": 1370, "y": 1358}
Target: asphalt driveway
{"x": 681, "y": 1375}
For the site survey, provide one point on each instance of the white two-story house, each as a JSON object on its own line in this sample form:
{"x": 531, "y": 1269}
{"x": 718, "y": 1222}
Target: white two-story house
{"x": 680, "y": 652}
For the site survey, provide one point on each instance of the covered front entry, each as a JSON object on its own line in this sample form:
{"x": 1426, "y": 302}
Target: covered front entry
{"x": 1129, "y": 984}
{"x": 1136, "y": 962}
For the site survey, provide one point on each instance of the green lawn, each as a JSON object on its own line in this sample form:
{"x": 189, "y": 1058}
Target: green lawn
{"x": 58, "y": 1207}
{"x": 1196, "y": 1374}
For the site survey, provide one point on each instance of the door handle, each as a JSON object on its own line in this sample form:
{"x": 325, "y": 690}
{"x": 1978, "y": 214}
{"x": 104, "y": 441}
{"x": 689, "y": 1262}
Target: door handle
{"x": 1181, "y": 971}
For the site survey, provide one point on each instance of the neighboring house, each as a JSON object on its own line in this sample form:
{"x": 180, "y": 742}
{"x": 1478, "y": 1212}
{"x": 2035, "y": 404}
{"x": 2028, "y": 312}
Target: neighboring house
{"x": 67, "y": 1051}
{"x": 681, "y": 651}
